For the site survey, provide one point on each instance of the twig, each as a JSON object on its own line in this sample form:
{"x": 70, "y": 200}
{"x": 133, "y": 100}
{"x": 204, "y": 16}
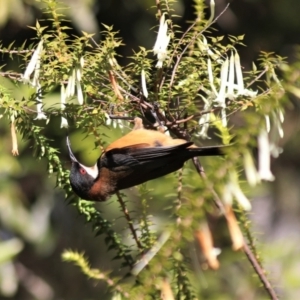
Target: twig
{"x": 115, "y": 85}
{"x": 79, "y": 260}
{"x": 191, "y": 41}
{"x": 179, "y": 188}
{"x": 129, "y": 220}
{"x": 147, "y": 257}
{"x": 249, "y": 253}
{"x": 15, "y": 51}
{"x": 201, "y": 172}
{"x": 260, "y": 272}
{"x": 176, "y": 65}
{"x": 257, "y": 77}
{"x": 158, "y": 8}
{"x": 11, "y": 75}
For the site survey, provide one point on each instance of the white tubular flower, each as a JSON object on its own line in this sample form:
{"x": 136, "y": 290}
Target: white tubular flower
{"x": 240, "y": 80}
{"x": 268, "y": 126}
{"x": 212, "y": 11}
{"x": 162, "y": 128}
{"x": 240, "y": 197}
{"x": 203, "y": 46}
{"x": 274, "y": 128}
{"x": 74, "y": 82}
{"x": 276, "y": 78}
{"x": 223, "y": 82}
{"x": 264, "y": 157}
{"x": 221, "y": 98}
{"x": 211, "y": 77}
{"x": 81, "y": 62}
{"x": 162, "y": 42}
{"x": 120, "y": 123}
{"x": 117, "y": 123}
{"x": 205, "y": 119}
{"x": 227, "y": 196}
{"x": 114, "y": 123}
{"x": 108, "y": 120}
{"x": 62, "y": 97}
{"x": 280, "y": 115}
{"x": 36, "y": 74}
{"x": 64, "y": 121}
{"x": 231, "y": 71}
{"x": 275, "y": 150}
{"x": 112, "y": 61}
{"x": 235, "y": 75}
{"x": 39, "y": 106}
{"x": 34, "y": 65}
{"x": 233, "y": 189}
{"x": 78, "y": 74}
{"x": 250, "y": 170}
{"x": 144, "y": 86}
{"x": 79, "y": 93}
{"x": 204, "y": 123}
{"x": 277, "y": 122}
{"x": 40, "y": 114}
{"x": 166, "y": 131}
{"x": 230, "y": 84}
{"x": 276, "y": 133}
{"x": 70, "y": 91}
{"x": 239, "y": 73}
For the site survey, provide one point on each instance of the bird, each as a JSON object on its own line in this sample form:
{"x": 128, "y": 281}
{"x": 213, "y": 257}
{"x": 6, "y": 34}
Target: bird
{"x": 139, "y": 156}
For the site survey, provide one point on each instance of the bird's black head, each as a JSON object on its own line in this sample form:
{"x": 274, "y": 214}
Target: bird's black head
{"x": 82, "y": 178}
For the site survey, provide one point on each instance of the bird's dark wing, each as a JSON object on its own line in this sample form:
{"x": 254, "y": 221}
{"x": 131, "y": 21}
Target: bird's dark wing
{"x": 135, "y": 165}
{"x": 137, "y": 156}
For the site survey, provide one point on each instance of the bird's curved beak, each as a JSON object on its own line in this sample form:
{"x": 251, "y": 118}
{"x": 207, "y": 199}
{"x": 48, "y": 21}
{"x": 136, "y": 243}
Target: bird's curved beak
{"x": 73, "y": 158}
{"x": 92, "y": 171}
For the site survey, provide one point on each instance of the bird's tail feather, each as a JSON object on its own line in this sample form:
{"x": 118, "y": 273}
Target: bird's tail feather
{"x": 209, "y": 151}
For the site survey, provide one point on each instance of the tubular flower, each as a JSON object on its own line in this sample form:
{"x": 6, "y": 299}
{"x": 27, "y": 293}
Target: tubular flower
{"x": 39, "y": 106}
{"x": 231, "y": 83}
{"x": 74, "y": 82}
{"x": 264, "y": 152}
{"x": 162, "y": 42}
{"x": 64, "y": 121}
{"x": 34, "y": 65}
{"x": 233, "y": 190}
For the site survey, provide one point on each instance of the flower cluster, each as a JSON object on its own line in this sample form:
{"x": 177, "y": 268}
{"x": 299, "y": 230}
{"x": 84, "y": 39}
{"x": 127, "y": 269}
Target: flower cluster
{"x": 34, "y": 67}
{"x": 231, "y": 86}
{"x": 73, "y": 81}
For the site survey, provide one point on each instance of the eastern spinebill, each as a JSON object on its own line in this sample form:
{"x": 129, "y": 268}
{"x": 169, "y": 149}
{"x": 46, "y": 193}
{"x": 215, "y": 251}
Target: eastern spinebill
{"x": 137, "y": 157}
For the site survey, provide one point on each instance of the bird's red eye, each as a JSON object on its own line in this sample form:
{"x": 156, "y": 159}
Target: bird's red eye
{"x": 82, "y": 171}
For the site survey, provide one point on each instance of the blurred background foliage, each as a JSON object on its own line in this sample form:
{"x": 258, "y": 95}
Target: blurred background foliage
{"x": 36, "y": 224}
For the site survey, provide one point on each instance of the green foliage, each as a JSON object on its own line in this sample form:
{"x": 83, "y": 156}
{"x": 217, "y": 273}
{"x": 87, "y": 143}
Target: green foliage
{"x": 102, "y": 226}
{"x": 182, "y": 95}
